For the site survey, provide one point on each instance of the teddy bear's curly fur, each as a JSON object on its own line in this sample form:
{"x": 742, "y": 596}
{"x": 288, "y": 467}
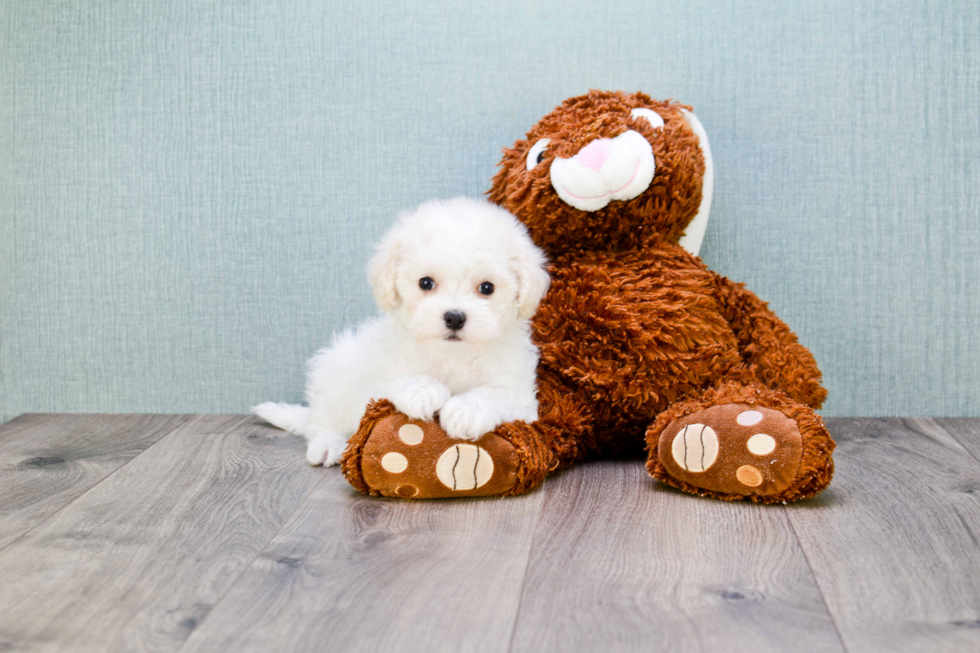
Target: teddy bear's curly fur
{"x": 642, "y": 344}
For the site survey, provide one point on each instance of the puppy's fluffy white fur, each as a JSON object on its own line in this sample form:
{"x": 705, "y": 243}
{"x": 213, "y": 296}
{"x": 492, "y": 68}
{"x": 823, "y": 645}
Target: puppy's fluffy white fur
{"x": 475, "y": 377}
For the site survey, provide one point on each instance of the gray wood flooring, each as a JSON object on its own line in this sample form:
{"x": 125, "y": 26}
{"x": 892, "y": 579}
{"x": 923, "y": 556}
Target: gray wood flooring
{"x": 207, "y": 533}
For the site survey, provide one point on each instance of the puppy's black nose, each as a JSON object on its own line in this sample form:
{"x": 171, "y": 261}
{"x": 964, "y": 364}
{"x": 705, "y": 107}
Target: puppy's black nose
{"x": 454, "y": 319}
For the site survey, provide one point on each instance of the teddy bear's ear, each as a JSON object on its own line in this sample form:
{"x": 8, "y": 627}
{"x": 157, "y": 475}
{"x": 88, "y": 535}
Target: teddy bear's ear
{"x": 694, "y": 234}
{"x": 528, "y": 265}
{"x": 383, "y": 270}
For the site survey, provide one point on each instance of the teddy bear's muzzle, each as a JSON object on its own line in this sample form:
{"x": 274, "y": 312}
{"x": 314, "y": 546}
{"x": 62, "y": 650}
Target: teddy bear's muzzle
{"x": 606, "y": 169}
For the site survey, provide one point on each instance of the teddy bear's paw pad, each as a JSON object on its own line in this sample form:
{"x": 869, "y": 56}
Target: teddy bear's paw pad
{"x": 464, "y": 467}
{"x": 413, "y": 459}
{"x": 736, "y": 449}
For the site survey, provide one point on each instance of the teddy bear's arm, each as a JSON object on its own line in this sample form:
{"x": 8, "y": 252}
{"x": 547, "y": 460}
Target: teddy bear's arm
{"x": 768, "y": 345}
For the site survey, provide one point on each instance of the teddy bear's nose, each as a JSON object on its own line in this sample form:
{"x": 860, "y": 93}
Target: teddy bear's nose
{"x": 595, "y": 153}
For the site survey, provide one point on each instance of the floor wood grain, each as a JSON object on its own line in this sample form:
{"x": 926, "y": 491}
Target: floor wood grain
{"x": 355, "y": 573}
{"x": 205, "y": 534}
{"x": 622, "y": 563}
{"x": 894, "y": 542}
{"x": 966, "y": 432}
{"x": 48, "y": 461}
{"x": 137, "y": 562}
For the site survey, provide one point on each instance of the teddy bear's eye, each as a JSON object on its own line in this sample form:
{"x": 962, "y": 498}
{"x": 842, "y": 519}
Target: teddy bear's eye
{"x": 426, "y": 283}
{"x": 536, "y": 154}
{"x": 486, "y": 288}
{"x": 651, "y": 117}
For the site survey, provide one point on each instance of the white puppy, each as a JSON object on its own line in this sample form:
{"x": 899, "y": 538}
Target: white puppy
{"x": 458, "y": 281}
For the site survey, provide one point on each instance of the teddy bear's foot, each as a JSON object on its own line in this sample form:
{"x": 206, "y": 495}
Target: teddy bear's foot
{"x": 394, "y": 456}
{"x": 743, "y": 451}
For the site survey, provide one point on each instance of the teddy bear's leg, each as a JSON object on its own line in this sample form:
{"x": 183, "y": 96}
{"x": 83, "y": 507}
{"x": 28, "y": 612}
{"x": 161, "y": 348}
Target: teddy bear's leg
{"x": 392, "y": 455}
{"x": 768, "y": 346}
{"x": 741, "y": 441}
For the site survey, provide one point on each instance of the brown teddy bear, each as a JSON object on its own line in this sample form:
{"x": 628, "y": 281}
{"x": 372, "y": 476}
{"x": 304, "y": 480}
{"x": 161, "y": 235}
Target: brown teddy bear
{"x": 640, "y": 342}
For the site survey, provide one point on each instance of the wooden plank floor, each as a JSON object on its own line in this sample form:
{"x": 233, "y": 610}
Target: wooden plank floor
{"x": 206, "y": 534}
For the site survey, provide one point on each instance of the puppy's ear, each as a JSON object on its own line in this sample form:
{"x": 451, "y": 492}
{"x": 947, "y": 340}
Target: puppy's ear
{"x": 382, "y": 271}
{"x": 528, "y": 265}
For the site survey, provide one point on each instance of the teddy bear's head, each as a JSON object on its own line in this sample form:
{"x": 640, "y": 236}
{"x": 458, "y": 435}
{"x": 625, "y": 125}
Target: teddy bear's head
{"x": 608, "y": 170}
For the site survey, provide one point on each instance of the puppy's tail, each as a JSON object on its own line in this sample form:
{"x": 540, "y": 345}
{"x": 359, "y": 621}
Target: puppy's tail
{"x": 288, "y": 417}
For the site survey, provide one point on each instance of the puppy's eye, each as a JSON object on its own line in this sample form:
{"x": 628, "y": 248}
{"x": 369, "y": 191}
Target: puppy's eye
{"x": 426, "y": 283}
{"x": 486, "y": 288}
{"x": 536, "y": 154}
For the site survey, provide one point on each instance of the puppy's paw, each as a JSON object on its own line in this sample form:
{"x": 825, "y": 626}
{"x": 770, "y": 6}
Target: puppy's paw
{"x": 325, "y": 449}
{"x": 420, "y": 397}
{"x": 464, "y": 417}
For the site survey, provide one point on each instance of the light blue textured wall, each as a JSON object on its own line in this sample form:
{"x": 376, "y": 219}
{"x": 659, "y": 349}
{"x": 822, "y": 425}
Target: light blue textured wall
{"x": 188, "y": 191}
